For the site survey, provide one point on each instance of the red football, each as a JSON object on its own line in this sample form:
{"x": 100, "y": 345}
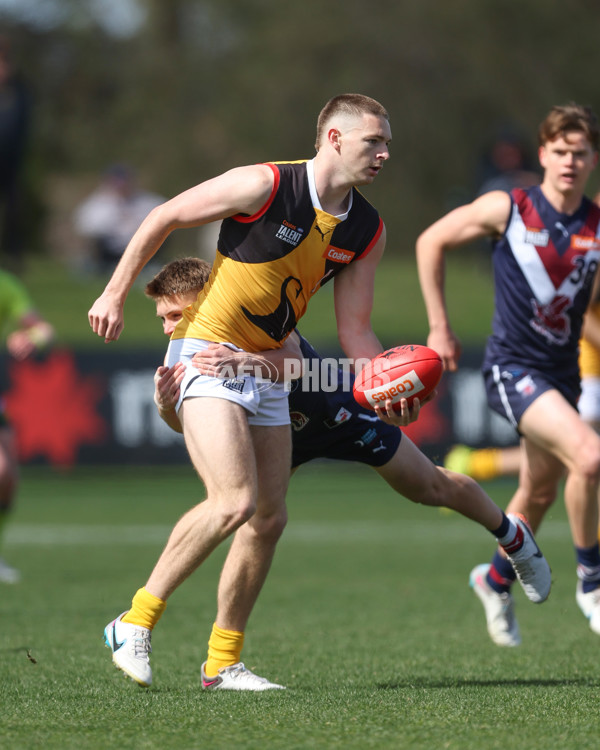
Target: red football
{"x": 401, "y": 372}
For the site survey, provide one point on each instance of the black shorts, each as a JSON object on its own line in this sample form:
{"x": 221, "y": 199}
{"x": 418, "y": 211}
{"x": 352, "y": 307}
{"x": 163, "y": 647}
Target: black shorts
{"x": 512, "y": 388}
{"x": 358, "y": 435}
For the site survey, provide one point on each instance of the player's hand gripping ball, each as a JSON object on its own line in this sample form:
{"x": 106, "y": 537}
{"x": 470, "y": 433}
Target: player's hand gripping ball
{"x": 401, "y": 372}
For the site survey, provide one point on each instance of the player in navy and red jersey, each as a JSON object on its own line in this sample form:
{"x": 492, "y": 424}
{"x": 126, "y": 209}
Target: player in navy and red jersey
{"x": 546, "y": 250}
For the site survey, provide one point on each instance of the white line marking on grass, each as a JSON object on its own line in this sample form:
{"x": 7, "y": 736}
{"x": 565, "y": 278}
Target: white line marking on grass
{"x": 92, "y": 534}
{"x": 302, "y": 532}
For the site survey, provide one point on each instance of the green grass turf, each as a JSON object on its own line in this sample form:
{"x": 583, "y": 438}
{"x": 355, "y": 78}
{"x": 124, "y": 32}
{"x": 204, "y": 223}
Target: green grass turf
{"x": 366, "y": 617}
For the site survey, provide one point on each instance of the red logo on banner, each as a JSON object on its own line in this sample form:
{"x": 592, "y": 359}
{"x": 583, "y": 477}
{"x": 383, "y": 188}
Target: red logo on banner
{"x": 52, "y": 408}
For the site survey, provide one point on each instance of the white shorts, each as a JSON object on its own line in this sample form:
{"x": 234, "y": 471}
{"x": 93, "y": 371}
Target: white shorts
{"x": 589, "y": 401}
{"x": 266, "y": 402}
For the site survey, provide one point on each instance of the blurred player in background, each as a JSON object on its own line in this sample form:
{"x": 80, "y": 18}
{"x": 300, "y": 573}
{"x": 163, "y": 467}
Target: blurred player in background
{"x": 326, "y": 423}
{"x": 492, "y": 462}
{"x": 25, "y": 331}
{"x": 589, "y": 366}
{"x": 545, "y": 256}
{"x": 486, "y": 463}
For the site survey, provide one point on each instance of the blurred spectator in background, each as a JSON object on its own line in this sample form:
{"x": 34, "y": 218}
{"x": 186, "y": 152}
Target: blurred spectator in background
{"x": 108, "y": 218}
{"x": 15, "y": 115}
{"x": 27, "y": 332}
{"x": 508, "y": 162}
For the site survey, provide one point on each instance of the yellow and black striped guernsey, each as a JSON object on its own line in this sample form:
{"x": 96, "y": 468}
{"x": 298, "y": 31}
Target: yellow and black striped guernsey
{"x": 269, "y": 265}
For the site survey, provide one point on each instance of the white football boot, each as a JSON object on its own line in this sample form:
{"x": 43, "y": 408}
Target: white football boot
{"x": 529, "y": 564}
{"x": 589, "y": 604}
{"x": 237, "y": 677}
{"x": 502, "y": 625}
{"x": 8, "y": 574}
{"x": 130, "y": 646}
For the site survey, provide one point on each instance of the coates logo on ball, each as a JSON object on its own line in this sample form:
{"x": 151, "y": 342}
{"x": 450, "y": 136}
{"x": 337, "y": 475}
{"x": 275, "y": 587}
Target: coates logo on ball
{"x": 402, "y": 372}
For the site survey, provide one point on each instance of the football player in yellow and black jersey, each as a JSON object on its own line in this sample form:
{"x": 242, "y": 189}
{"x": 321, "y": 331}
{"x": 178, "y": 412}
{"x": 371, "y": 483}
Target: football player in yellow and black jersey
{"x": 327, "y": 421}
{"x": 287, "y": 228}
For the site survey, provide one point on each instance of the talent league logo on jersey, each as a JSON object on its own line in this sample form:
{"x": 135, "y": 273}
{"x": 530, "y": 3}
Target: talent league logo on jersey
{"x": 290, "y": 233}
{"x": 337, "y": 255}
{"x": 539, "y": 237}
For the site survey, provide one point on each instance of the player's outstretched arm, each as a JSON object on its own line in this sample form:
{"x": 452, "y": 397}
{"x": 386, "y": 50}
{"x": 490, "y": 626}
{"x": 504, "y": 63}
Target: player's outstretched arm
{"x": 241, "y": 190}
{"x": 486, "y": 216}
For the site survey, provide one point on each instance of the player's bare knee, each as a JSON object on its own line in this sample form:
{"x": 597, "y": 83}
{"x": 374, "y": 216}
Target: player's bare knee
{"x": 269, "y": 527}
{"x": 437, "y": 491}
{"x": 543, "y": 498}
{"x": 588, "y": 462}
{"x": 232, "y": 512}
{"x": 447, "y": 485}
{"x": 263, "y": 529}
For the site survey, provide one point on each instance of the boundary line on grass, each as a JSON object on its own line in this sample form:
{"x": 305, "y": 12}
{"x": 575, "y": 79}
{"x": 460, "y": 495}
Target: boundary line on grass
{"x": 303, "y": 532}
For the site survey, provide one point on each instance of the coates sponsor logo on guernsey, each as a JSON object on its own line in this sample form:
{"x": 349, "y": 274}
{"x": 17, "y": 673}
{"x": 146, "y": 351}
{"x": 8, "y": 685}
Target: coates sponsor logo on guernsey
{"x": 337, "y": 255}
{"x": 580, "y": 242}
{"x": 406, "y": 385}
{"x": 539, "y": 237}
{"x": 290, "y": 233}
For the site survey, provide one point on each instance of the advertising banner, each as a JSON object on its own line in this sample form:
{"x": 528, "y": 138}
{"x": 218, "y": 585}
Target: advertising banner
{"x": 86, "y": 408}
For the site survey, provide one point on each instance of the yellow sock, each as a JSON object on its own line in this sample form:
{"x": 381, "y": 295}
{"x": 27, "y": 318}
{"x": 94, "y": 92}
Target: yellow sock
{"x": 224, "y": 649}
{"x": 485, "y": 463}
{"x": 146, "y": 609}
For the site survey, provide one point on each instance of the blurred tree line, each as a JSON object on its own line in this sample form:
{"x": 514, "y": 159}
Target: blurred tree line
{"x": 184, "y": 89}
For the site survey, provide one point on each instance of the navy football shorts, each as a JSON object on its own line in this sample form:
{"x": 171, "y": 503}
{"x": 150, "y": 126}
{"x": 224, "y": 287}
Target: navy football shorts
{"x": 512, "y": 388}
{"x": 361, "y": 437}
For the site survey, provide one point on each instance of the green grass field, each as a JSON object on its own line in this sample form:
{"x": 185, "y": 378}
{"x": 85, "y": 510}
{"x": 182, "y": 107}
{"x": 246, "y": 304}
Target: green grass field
{"x": 366, "y": 617}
